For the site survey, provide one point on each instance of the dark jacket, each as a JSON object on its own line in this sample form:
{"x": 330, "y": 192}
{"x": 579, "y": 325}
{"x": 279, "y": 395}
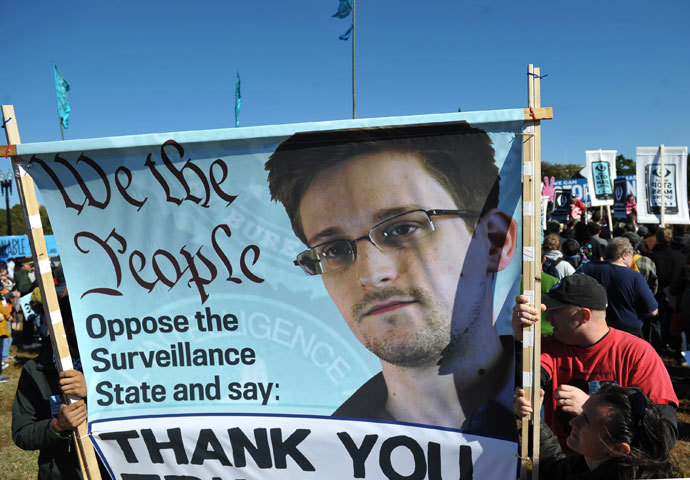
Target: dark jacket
{"x": 553, "y": 464}
{"x": 31, "y": 417}
{"x": 22, "y": 281}
{"x": 670, "y": 270}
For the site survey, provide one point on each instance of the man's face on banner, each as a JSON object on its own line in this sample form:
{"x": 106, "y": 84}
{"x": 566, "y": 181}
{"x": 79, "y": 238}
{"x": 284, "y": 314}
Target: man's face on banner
{"x": 398, "y": 303}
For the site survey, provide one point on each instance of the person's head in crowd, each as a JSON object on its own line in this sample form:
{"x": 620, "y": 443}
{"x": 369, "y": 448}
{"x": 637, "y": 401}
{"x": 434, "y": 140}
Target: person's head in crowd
{"x": 643, "y": 231}
{"x": 570, "y": 247}
{"x": 581, "y": 233}
{"x": 623, "y": 426}
{"x": 552, "y": 242}
{"x": 27, "y": 263}
{"x": 576, "y": 307}
{"x": 664, "y": 236}
{"x": 569, "y": 230}
{"x": 634, "y": 239}
{"x": 594, "y": 229}
{"x": 619, "y": 229}
{"x": 679, "y": 233}
{"x": 596, "y": 216}
{"x": 619, "y": 249}
{"x": 630, "y": 226}
{"x": 553, "y": 226}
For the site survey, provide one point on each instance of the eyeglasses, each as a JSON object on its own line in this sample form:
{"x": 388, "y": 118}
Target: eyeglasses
{"x": 399, "y": 231}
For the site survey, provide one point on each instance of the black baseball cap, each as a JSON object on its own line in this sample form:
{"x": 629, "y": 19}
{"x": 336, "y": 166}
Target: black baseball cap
{"x": 578, "y": 289}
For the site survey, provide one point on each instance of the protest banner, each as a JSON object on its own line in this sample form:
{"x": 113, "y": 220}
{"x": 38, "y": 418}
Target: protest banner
{"x": 14, "y": 246}
{"x": 207, "y": 353}
{"x": 662, "y": 169}
{"x": 27, "y": 309}
{"x": 561, "y": 204}
{"x": 600, "y": 168}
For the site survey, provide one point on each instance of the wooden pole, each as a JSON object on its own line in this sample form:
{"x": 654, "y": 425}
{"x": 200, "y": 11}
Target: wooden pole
{"x": 531, "y": 268}
{"x": 27, "y": 197}
{"x": 354, "y": 103}
{"x": 608, "y": 216}
{"x": 663, "y": 186}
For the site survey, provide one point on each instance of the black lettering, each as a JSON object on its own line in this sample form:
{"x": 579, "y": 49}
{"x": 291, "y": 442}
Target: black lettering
{"x": 174, "y": 443}
{"x": 465, "y": 459}
{"x": 202, "y": 452}
{"x": 288, "y": 447}
{"x": 260, "y": 453}
{"x": 122, "y": 439}
{"x": 96, "y": 358}
{"x": 358, "y": 454}
{"x": 419, "y": 461}
{"x": 101, "y": 389}
{"x": 433, "y": 455}
{"x": 89, "y": 329}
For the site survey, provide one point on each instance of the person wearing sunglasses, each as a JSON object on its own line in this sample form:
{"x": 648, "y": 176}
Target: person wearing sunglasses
{"x": 402, "y": 225}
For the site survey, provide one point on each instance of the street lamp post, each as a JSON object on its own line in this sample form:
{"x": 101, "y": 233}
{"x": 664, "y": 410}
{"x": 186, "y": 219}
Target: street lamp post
{"x": 6, "y": 185}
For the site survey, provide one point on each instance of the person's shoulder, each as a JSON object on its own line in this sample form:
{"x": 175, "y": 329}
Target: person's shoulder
{"x": 369, "y": 401}
{"x": 631, "y": 342}
{"x": 550, "y": 345}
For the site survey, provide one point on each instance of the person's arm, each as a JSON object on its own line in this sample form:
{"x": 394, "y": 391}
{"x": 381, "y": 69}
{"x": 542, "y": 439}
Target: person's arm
{"x": 646, "y": 303}
{"x": 551, "y": 457}
{"x": 31, "y": 421}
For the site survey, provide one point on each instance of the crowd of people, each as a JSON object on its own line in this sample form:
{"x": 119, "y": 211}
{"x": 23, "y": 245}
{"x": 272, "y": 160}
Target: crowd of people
{"x": 618, "y": 300}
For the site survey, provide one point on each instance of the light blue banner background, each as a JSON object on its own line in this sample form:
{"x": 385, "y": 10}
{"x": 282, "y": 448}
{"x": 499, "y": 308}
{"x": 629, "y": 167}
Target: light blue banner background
{"x": 304, "y": 350}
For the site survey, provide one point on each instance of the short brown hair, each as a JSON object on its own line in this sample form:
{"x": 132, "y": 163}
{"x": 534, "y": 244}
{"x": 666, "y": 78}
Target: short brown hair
{"x": 457, "y": 155}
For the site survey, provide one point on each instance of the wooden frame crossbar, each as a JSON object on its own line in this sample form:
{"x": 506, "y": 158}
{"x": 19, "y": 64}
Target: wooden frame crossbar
{"x": 58, "y": 339}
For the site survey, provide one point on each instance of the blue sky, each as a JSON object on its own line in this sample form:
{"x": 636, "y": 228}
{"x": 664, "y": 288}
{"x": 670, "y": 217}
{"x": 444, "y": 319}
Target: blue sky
{"x": 618, "y": 72}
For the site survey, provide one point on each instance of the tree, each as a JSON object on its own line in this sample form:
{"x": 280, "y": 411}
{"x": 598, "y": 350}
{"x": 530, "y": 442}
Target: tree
{"x": 17, "y": 221}
{"x": 625, "y": 166}
{"x": 560, "y": 171}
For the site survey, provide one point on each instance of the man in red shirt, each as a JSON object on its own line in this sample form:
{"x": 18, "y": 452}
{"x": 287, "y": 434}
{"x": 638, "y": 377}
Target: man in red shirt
{"x": 585, "y": 352}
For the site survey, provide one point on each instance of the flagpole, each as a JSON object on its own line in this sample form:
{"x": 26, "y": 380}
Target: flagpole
{"x": 354, "y": 104}
{"x": 62, "y": 132}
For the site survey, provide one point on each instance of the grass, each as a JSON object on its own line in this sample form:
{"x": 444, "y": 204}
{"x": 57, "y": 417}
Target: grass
{"x": 17, "y": 464}
{"x": 680, "y": 376}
